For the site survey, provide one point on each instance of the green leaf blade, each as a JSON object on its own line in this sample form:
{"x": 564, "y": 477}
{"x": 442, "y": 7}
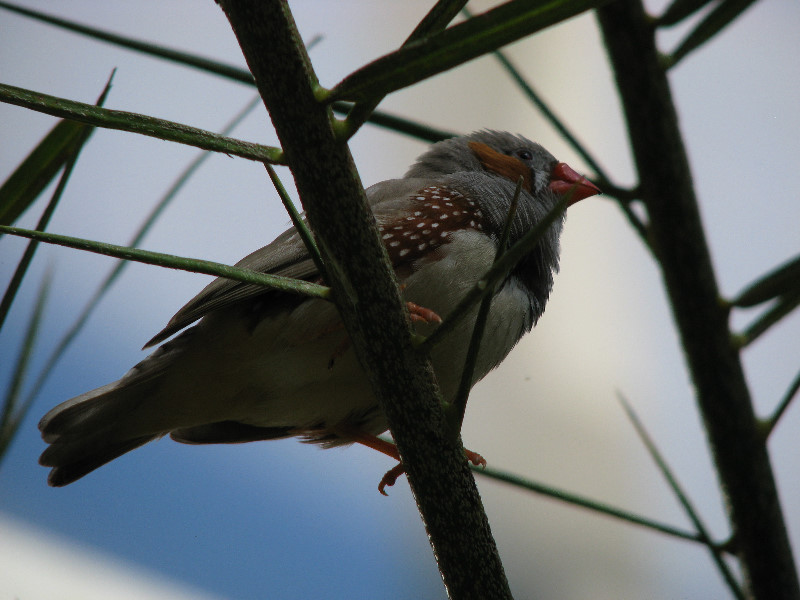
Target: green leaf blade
{"x": 719, "y": 18}
{"x": 783, "y": 280}
{"x": 38, "y": 169}
{"x": 454, "y": 46}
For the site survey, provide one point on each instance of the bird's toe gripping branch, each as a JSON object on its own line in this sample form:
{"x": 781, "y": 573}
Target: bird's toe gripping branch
{"x": 392, "y": 474}
{"x": 389, "y": 449}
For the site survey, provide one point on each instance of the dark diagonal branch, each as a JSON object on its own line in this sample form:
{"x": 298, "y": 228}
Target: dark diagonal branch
{"x": 368, "y": 299}
{"x": 680, "y": 246}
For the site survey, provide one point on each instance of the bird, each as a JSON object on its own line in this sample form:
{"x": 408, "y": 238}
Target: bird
{"x": 253, "y": 364}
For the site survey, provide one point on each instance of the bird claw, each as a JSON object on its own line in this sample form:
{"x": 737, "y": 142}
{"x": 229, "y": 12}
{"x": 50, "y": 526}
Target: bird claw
{"x": 390, "y": 478}
{"x": 475, "y": 458}
{"x": 420, "y": 314}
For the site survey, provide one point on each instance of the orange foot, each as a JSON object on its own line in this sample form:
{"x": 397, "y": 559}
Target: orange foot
{"x": 392, "y": 474}
{"x": 420, "y": 314}
{"x": 389, "y": 449}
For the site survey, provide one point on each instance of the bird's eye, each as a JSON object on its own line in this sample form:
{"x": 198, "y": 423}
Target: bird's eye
{"x": 524, "y": 154}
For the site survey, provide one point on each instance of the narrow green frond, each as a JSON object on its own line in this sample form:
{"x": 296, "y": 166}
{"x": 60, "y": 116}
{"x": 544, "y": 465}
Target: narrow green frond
{"x": 779, "y": 309}
{"x": 583, "y": 502}
{"x": 683, "y": 498}
{"x": 69, "y": 161}
{"x": 194, "y": 265}
{"x": 456, "y": 45}
{"x": 183, "y": 58}
{"x": 782, "y": 280}
{"x": 12, "y": 413}
{"x": 791, "y": 393}
{"x": 136, "y": 123}
{"x": 679, "y": 10}
{"x": 719, "y": 18}
{"x": 462, "y": 395}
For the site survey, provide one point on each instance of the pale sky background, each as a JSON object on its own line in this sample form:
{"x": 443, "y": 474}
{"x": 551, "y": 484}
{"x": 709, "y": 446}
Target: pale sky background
{"x": 286, "y": 520}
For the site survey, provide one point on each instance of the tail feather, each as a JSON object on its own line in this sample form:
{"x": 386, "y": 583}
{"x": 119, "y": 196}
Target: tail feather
{"x": 73, "y": 418}
{"x": 92, "y": 429}
{"x": 65, "y": 472}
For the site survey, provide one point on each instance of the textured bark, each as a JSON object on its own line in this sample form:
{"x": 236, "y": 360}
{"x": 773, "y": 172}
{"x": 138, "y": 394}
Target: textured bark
{"x": 368, "y": 299}
{"x": 678, "y": 239}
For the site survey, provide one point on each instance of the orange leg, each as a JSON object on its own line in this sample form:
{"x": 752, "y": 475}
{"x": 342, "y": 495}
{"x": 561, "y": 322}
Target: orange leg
{"x": 389, "y": 449}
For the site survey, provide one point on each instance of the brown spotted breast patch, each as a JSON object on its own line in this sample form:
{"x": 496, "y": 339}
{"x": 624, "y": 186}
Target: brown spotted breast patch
{"x": 436, "y": 212}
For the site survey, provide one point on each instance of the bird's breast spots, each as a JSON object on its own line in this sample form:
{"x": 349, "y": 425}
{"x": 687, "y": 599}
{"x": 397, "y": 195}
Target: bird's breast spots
{"x": 435, "y": 214}
{"x": 506, "y": 166}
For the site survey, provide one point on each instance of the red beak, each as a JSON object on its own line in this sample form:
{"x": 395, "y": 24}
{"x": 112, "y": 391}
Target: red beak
{"x": 564, "y": 181}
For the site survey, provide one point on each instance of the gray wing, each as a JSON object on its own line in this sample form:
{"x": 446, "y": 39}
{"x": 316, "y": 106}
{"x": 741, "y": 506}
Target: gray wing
{"x": 285, "y": 256}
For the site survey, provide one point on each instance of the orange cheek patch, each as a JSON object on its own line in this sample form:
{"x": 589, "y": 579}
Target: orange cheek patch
{"x": 507, "y": 166}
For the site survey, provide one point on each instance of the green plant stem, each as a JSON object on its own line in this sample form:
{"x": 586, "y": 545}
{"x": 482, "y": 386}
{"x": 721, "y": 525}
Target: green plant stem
{"x": 769, "y": 425}
{"x": 44, "y": 220}
{"x": 583, "y": 502}
{"x": 779, "y": 309}
{"x": 135, "y": 123}
{"x": 182, "y": 58}
{"x": 719, "y": 18}
{"x": 683, "y": 498}
{"x": 456, "y": 45}
{"x": 38, "y": 169}
{"x": 12, "y": 415}
{"x": 465, "y": 385}
{"x": 194, "y": 265}
{"x": 680, "y": 246}
{"x": 436, "y": 20}
{"x": 781, "y": 280}
{"x": 27, "y": 256}
{"x": 297, "y": 220}
{"x": 426, "y": 133}
{"x": 679, "y": 10}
